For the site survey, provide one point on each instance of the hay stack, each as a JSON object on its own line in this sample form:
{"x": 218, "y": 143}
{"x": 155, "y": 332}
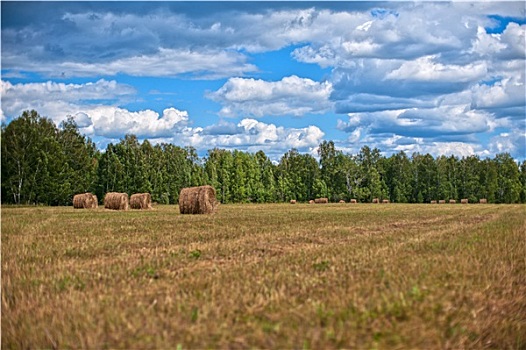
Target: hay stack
{"x": 292, "y": 201}
{"x": 321, "y": 200}
{"x": 116, "y": 201}
{"x": 452, "y": 201}
{"x": 85, "y": 201}
{"x": 483, "y": 201}
{"x": 464, "y": 201}
{"x": 141, "y": 201}
{"x": 198, "y": 200}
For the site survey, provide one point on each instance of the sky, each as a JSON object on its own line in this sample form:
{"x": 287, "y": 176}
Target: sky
{"x": 445, "y": 78}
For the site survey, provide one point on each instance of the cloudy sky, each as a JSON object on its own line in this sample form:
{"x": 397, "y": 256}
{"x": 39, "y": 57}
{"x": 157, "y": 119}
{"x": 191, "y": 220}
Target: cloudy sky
{"x": 428, "y": 77}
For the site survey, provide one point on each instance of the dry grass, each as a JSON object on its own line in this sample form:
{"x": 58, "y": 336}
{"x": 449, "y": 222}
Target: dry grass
{"x": 265, "y": 276}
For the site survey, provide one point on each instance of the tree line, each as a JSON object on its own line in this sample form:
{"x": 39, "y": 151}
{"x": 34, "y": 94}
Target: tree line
{"x": 46, "y": 164}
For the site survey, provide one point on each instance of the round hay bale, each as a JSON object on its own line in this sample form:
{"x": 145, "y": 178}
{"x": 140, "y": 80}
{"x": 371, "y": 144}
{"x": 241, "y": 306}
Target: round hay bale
{"x": 442, "y": 201}
{"x": 483, "y": 201}
{"x": 116, "y": 201}
{"x": 353, "y": 201}
{"x": 198, "y": 200}
{"x": 464, "y": 201}
{"x": 141, "y": 201}
{"x": 452, "y": 201}
{"x": 385, "y": 201}
{"x": 376, "y": 200}
{"x": 292, "y": 201}
{"x": 311, "y": 202}
{"x": 341, "y": 201}
{"x": 85, "y": 201}
{"x": 433, "y": 202}
{"x": 321, "y": 200}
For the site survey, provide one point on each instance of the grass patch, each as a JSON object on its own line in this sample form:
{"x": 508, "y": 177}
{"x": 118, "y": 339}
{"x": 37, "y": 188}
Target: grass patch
{"x": 265, "y": 276}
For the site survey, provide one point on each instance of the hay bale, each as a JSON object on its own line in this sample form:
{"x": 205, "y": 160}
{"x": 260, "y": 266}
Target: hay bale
{"x": 376, "y": 200}
{"x": 433, "y": 202}
{"x": 198, "y": 200}
{"x": 116, "y": 201}
{"x": 464, "y": 201}
{"x": 141, "y": 201}
{"x": 292, "y": 201}
{"x": 85, "y": 201}
{"x": 452, "y": 201}
{"x": 442, "y": 201}
{"x": 311, "y": 202}
{"x": 385, "y": 201}
{"x": 483, "y": 201}
{"x": 353, "y": 201}
{"x": 321, "y": 200}
{"x": 341, "y": 201}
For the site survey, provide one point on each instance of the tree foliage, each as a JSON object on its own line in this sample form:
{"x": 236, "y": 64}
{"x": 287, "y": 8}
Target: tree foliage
{"x": 45, "y": 164}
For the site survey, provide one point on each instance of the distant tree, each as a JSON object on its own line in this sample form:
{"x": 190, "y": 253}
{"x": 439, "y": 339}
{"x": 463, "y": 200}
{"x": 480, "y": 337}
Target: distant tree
{"x": 508, "y": 179}
{"x": 33, "y": 165}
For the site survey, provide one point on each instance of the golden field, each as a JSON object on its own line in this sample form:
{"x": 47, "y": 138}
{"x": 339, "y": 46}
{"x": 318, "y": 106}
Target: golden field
{"x": 265, "y": 276}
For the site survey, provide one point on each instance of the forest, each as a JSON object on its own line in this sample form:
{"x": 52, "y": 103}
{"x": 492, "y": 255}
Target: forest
{"x": 46, "y": 164}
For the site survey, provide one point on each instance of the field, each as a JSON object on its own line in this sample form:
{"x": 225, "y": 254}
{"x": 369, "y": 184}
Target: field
{"x": 265, "y": 276}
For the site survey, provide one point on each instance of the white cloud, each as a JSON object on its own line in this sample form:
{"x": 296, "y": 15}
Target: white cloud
{"x": 56, "y": 100}
{"x": 113, "y": 122}
{"x": 253, "y": 135}
{"x": 257, "y": 98}
{"x": 508, "y": 92}
{"x": 425, "y": 69}
{"x": 513, "y": 142}
{"x": 203, "y": 64}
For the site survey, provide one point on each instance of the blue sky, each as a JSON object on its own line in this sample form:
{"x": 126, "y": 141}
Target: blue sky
{"x": 428, "y": 77}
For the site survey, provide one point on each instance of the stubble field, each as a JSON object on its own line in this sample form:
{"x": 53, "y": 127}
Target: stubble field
{"x": 265, "y": 276}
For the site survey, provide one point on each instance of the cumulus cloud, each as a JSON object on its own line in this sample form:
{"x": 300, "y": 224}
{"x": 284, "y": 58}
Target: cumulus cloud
{"x": 425, "y": 69}
{"x": 415, "y": 76}
{"x": 202, "y": 64}
{"x": 432, "y": 125}
{"x": 290, "y": 96}
{"x": 253, "y": 135}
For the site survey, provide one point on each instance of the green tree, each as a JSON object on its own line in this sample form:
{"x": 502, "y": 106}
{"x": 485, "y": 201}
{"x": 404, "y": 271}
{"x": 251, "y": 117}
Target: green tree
{"x": 34, "y": 168}
{"x": 81, "y": 155}
{"x": 508, "y": 179}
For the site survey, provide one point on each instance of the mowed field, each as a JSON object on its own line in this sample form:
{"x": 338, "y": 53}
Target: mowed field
{"x": 265, "y": 276}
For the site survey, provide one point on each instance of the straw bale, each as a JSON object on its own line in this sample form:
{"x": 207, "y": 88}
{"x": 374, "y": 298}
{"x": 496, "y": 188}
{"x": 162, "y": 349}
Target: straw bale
{"x": 85, "y": 201}
{"x": 483, "y": 201}
{"x": 321, "y": 200}
{"x": 311, "y": 202}
{"x": 376, "y": 200}
{"x": 464, "y": 201}
{"x": 292, "y": 201}
{"x": 116, "y": 201}
{"x": 452, "y": 201}
{"x": 341, "y": 201}
{"x": 198, "y": 200}
{"x": 433, "y": 202}
{"x": 141, "y": 201}
{"x": 442, "y": 201}
{"x": 353, "y": 201}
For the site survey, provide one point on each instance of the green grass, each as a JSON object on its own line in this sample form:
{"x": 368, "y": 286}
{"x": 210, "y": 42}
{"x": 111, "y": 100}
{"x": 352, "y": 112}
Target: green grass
{"x": 265, "y": 276}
